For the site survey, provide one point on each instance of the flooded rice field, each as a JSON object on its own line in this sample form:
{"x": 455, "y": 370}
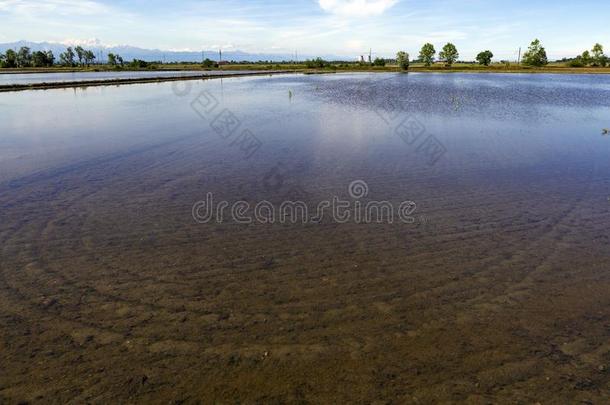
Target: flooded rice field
{"x": 35, "y": 78}
{"x": 492, "y": 287}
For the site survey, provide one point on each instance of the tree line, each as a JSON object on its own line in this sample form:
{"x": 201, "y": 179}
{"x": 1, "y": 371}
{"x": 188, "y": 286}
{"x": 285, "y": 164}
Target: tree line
{"x": 24, "y": 58}
{"x": 534, "y": 56}
{"x": 595, "y": 58}
{"x": 78, "y": 56}
{"x": 72, "y": 57}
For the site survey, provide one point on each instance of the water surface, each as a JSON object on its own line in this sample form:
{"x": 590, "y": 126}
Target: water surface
{"x": 33, "y": 78}
{"x": 499, "y": 292}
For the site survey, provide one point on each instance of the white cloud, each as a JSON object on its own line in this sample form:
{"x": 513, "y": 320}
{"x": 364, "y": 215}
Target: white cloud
{"x": 356, "y": 8}
{"x": 355, "y": 45}
{"x": 225, "y": 47}
{"x": 58, "y": 7}
{"x": 436, "y": 37}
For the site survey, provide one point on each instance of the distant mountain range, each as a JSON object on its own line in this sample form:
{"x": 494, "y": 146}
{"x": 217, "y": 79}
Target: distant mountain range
{"x": 130, "y": 52}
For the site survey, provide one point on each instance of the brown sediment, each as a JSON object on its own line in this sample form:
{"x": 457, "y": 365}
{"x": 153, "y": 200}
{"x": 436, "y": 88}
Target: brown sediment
{"x": 120, "y": 297}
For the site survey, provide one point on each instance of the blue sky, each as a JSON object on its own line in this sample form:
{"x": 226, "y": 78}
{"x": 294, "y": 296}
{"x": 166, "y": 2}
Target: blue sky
{"x": 314, "y": 27}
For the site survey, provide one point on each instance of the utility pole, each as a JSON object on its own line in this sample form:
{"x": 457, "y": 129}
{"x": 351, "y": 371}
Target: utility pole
{"x": 371, "y": 55}
{"x": 519, "y": 60}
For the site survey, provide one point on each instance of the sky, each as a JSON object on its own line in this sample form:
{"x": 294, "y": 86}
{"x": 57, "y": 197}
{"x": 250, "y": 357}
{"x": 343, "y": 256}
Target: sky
{"x": 346, "y": 28}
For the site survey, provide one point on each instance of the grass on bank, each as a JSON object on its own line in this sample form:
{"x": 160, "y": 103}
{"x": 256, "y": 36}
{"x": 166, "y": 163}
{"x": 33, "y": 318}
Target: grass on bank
{"x": 556, "y": 67}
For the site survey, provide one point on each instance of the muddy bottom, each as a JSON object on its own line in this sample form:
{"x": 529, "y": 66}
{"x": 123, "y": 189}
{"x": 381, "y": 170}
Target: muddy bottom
{"x": 497, "y": 290}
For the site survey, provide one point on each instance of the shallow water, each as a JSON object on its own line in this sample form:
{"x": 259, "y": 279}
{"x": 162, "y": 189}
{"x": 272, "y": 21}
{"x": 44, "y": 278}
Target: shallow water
{"x": 499, "y": 291}
{"x": 32, "y": 78}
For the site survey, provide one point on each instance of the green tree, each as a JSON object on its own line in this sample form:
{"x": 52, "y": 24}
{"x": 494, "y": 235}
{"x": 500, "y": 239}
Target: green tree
{"x": 449, "y": 54}
{"x": 402, "y": 59}
{"x": 24, "y": 57}
{"x": 484, "y": 58}
{"x": 50, "y": 58}
{"x": 208, "y": 63}
{"x": 115, "y": 60}
{"x": 138, "y": 64}
{"x": 67, "y": 57}
{"x": 10, "y": 59}
{"x": 427, "y": 53}
{"x": 88, "y": 57}
{"x": 585, "y": 58}
{"x": 80, "y": 53}
{"x": 316, "y": 63}
{"x": 39, "y": 59}
{"x": 535, "y": 55}
{"x": 112, "y": 59}
{"x": 598, "y": 59}
{"x": 576, "y": 63}
{"x": 379, "y": 62}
